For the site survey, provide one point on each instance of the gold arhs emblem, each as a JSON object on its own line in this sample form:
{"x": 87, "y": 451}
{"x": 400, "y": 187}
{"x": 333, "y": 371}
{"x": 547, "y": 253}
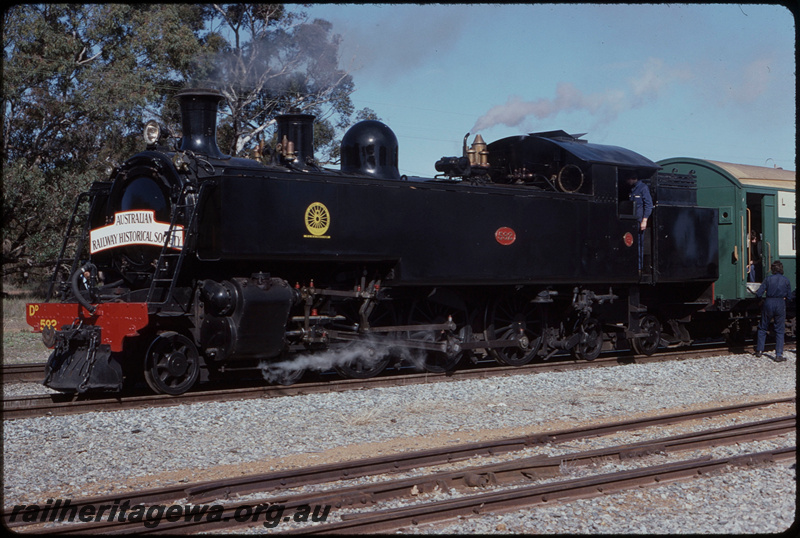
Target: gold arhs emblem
{"x": 317, "y": 219}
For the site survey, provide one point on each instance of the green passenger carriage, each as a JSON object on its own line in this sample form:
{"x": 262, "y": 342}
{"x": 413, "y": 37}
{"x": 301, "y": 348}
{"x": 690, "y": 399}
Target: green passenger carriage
{"x": 750, "y": 199}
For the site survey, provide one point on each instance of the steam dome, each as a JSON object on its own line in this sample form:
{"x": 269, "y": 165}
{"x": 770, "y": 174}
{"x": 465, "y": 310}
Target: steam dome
{"x": 370, "y": 148}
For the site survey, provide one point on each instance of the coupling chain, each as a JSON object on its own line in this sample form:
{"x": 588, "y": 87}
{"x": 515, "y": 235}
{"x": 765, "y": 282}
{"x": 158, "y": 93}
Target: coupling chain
{"x": 92, "y": 357}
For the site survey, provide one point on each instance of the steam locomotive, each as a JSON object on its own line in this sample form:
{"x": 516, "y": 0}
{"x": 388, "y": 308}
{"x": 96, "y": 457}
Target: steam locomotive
{"x": 188, "y": 260}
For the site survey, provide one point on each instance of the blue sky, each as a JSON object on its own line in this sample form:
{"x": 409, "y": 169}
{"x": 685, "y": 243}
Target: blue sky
{"x": 710, "y": 81}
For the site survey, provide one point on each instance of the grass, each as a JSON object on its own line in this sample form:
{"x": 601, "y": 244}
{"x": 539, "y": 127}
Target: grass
{"x": 19, "y": 343}
{"x": 14, "y": 314}
{"x": 23, "y": 347}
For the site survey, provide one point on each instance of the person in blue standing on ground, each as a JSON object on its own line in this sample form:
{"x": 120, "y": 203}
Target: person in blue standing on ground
{"x": 778, "y": 290}
{"x": 643, "y": 207}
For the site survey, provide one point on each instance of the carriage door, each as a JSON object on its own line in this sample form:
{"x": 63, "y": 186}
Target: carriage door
{"x": 761, "y": 235}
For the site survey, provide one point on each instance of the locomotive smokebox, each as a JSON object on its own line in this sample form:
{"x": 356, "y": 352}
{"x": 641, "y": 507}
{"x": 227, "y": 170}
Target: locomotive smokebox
{"x": 199, "y": 121}
{"x": 296, "y": 138}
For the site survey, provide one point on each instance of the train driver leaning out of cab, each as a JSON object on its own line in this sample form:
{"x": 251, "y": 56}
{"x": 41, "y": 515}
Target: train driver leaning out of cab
{"x": 643, "y": 208}
{"x": 778, "y": 290}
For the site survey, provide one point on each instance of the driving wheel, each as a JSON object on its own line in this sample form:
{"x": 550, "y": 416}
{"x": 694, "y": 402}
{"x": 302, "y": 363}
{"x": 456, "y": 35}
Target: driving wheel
{"x": 647, "y": 345}
{"x": 172, "y": 364}
{"x": 365, "y": 359}
{"x": 591, "y": 342}
{"x": 282, "y": 372}
{"x": 514, "y": 317}
{"x": 426, "y": 312}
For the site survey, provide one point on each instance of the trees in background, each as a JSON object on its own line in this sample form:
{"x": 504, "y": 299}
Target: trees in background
{"x": 275, "y": 61}
{"x": 79, "y": 81}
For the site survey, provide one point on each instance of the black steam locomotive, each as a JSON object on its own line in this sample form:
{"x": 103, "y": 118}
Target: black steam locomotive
{"x": 188, "y": 260}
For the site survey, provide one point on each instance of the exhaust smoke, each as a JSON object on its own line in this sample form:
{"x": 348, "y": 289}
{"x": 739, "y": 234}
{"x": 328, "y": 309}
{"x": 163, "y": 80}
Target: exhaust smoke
{"x": 367, "y": 352}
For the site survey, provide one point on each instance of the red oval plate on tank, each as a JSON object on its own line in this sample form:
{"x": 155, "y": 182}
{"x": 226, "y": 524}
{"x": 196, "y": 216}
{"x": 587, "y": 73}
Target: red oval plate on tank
{"x": 628, "y": 238}
{"x": 505, "y": 235}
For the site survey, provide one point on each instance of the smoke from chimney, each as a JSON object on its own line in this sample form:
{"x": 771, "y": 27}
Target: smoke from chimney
{"x": 651, "y": 81}
{"x": 568, "y": 99}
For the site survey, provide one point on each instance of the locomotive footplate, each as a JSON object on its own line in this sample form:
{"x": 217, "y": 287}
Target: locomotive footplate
{"x": 116, "y": 321}
{"x": 86, "y": 344}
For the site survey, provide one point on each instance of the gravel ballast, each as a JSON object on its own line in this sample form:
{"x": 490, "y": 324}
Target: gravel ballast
{"x": 78, "y": 455}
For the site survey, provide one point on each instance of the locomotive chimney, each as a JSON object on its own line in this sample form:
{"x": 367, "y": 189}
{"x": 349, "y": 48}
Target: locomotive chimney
{"x": 199, "y": 121}
{"x": 296, "y": 138}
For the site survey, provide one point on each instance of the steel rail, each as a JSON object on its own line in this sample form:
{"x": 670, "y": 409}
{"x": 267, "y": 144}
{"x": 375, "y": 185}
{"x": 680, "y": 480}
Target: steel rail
{"x": 20, "y": 373}
{"x": 219, "y": 489}
{"x": 61, "y": 404}
{"x": 513, "y": 472}
{"x": 580, "y": 488}
{"x": 402, "y": 462}
{"x": 15, "y": 373}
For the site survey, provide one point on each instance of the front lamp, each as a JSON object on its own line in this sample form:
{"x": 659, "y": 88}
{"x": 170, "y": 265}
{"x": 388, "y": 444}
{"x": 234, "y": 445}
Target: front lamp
{"x": 152, "y": 132}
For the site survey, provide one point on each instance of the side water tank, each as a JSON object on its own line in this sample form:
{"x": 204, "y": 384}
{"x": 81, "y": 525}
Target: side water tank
{"x": 369, "y": 147}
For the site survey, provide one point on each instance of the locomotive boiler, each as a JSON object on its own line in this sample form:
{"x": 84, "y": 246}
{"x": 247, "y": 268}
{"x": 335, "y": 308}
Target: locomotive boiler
{"x": 188, "y": 261}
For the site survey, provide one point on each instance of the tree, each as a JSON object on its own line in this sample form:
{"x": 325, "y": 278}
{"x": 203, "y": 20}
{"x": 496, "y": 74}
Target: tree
{"x": 277, "y": 62}
{"x": 77, "y": 80}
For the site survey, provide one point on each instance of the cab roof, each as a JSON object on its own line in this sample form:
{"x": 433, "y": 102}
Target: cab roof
{"x": 597, "y": 153}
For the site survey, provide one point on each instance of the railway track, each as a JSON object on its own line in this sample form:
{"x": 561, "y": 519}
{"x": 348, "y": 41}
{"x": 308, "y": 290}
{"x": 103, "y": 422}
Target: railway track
{"x": 21, "y": 373}
{"x": 516, "y": 472}
{"x": 582, "y": 488}
{"x": 59, "y": 404}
